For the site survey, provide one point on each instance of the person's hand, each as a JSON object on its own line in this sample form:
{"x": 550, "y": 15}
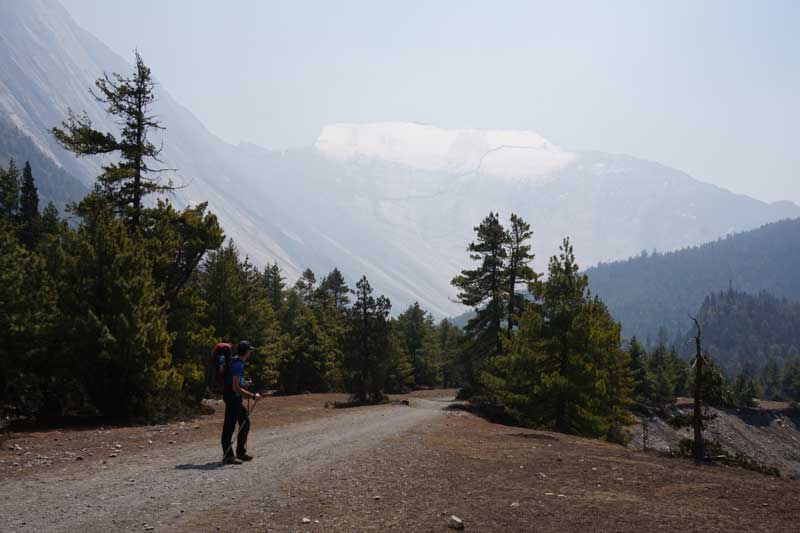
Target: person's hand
{"x": 257, "y": 396}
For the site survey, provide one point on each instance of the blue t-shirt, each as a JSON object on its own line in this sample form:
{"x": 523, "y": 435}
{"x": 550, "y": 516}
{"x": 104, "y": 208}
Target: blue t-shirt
{"x": 235, "y": 371}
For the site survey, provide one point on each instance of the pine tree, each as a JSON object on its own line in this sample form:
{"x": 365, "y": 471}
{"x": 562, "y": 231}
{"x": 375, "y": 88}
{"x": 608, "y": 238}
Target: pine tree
{"x": 333, "y": 297}
{"x": 565, "y": 368}
{"x": 637, "y": 354}
{"x": 681, "y": 371}
{"x": 177, "y": 242}
{"x": 606, "y": 411}
{"x": 192, "y": 337}
{"x": 399, "y": 372}
{"x": 661, "y": 376}
{"x": 744, "y": 391}
{"x": 222, "y": 287}
{"x": 333, "y": 290}
{"x": 418, "y": 339}
{"x": 309, "y": 362}
{"x": 518, "y": 269}
{"x": 274, "y": 283}
{"x": 368, "y": 343}
{"x": 567, "y": 373}
{"x": 790, "y": 389}
{"x": 484, "y": 288}
{"x": 450, "y": 344}
{"x": 50, "y": 220}
{"x": 30, "y": 221}
{"x": 772, "y": 380}
{"x": 128, "y": 100}
{"x": 27, "y": 326}
{"x": 306, "y": 286}
{"x": 9, "y": 191}
{"x": 239, "y": 308}
{"x": 117, "y": 337}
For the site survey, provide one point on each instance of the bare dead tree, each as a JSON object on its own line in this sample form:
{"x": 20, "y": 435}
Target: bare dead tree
{"x": 698, "y": 446}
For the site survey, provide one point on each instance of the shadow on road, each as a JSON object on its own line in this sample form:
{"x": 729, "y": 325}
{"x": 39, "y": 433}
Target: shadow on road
{"x": 207, "y": 466}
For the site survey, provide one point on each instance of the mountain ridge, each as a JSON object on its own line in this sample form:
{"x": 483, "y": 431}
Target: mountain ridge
{"x": 655, "y": 291}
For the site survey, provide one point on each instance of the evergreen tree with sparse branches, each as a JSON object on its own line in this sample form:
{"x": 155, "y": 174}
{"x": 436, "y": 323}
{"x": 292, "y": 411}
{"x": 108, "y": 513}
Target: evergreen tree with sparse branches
{"x": 128, "y": 100}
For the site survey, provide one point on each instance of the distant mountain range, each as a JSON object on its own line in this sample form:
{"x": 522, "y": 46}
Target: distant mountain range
{"x": 655, "y": 291}
{"x": 395, "y": 201}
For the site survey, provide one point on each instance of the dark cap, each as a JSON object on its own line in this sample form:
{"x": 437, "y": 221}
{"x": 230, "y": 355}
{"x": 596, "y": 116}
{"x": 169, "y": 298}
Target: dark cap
{"x": 243, "y": 348}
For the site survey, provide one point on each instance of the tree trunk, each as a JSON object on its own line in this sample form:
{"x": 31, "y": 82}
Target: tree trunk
{"x": 561, "y": 401}
{"x": 698, "y": 446}
{"x": 512, "y": 285}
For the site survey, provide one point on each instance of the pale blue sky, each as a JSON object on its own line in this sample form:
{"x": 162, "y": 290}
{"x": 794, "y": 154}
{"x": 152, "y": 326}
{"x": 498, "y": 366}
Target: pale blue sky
{"x": 709, "y": 87}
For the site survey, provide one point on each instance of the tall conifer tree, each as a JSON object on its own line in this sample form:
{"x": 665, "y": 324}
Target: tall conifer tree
{"x": 484, "y": 288}
{"x": 30, "y": 221}
{"x": 518, "y": 267}
{"x": 275, "y": 285}
{"x": 368, "y": 346}
{"x": 128, "y": 101}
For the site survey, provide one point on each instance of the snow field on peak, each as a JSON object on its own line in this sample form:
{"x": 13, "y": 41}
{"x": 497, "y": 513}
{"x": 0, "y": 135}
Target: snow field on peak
{"x": 505, "y": 154}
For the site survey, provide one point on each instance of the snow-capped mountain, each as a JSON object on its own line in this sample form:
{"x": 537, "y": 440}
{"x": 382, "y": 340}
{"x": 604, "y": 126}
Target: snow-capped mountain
{"x": 395, "y": 201}
{"x": 512, "y": 155}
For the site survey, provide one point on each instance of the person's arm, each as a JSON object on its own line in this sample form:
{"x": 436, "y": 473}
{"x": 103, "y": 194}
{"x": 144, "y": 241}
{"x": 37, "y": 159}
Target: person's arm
{"x": 237, "y": 388}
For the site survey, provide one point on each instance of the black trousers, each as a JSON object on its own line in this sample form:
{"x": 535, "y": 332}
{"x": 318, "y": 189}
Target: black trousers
{"x": 235, "y": 412}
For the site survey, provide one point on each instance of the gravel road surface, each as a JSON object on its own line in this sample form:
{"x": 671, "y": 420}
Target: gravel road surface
{"x": 175, "y": 485}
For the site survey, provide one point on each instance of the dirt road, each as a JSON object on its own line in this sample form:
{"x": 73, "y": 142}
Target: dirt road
{"x": 387, "y": 468}
{"x": 168, "y": 487}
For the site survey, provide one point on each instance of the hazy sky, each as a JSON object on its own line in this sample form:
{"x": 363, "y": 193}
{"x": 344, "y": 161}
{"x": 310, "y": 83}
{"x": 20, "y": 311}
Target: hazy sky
{"x": 708, "y": 87}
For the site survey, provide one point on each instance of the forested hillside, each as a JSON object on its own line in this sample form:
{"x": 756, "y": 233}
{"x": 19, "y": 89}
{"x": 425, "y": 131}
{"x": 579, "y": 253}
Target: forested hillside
{"x": 745, "y": 332}
{"x": 657, "y": 290}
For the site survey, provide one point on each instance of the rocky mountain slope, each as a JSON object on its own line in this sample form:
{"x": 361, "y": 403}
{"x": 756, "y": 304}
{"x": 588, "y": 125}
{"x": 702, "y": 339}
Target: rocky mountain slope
{"x": 394, "y": 201}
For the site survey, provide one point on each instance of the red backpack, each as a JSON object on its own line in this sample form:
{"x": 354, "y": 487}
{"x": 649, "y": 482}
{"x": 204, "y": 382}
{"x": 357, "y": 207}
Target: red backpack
{"x": 217, "y": 367}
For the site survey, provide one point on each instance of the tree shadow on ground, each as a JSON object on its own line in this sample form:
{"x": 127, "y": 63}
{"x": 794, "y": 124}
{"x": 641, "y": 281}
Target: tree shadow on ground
{"x": 208, "y": 466}
{"x": 484, "y": 410}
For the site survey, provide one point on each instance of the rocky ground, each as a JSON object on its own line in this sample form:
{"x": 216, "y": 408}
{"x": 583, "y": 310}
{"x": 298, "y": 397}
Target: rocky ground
{"x": 768, "y": 433}
{"x": 387, "y": 468}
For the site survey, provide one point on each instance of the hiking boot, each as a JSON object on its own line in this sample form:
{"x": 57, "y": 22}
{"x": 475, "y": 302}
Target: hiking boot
{"x": 231, "y": 460}
{"x": 244, "y": 457}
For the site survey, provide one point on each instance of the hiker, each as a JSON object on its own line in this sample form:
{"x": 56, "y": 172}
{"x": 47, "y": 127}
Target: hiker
{"x": 233, "y": 394}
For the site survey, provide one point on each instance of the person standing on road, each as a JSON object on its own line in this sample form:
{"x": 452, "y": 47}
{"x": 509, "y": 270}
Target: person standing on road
{"x": 233, "y": 394}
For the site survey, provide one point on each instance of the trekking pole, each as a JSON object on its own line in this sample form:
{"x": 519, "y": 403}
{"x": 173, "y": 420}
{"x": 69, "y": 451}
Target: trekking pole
{"x": 239, "y": 429}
